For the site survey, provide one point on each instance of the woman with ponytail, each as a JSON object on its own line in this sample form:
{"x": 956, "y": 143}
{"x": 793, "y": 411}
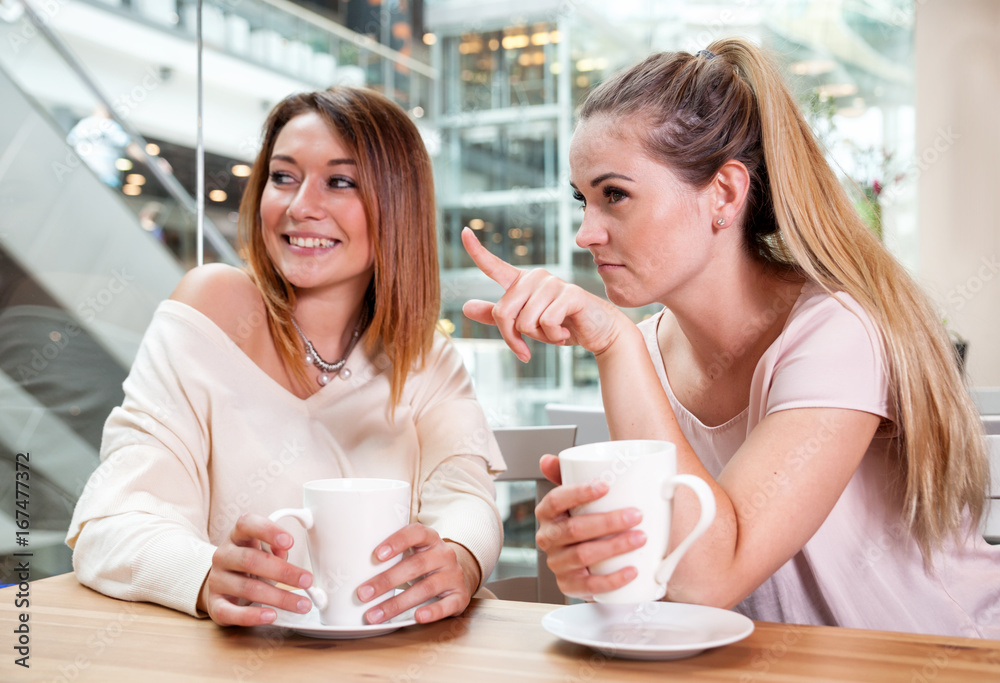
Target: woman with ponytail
{"x": 796, "y": 365}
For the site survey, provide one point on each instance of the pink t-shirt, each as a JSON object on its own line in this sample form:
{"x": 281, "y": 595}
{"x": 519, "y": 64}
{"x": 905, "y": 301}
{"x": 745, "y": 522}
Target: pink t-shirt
{"x": 860, "y": 569}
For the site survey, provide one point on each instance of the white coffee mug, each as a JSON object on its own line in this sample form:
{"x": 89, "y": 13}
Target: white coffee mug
{"x": 640, "y": 474}
{"x": 346, "y": 519}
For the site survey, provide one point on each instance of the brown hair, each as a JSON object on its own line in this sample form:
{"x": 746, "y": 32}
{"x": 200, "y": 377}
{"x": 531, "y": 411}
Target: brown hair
{"x": 396, "y": 187}
{"x": 732, "y": 103}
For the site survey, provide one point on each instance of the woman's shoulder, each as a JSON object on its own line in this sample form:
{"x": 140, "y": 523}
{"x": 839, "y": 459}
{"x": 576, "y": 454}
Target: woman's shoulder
{"x": 224, "y": 294}
{"x": 831, "y": 327}
{"x": 441, "y": 365}
{"x": 818, "y": 307}
{"x": 443, "y": 356}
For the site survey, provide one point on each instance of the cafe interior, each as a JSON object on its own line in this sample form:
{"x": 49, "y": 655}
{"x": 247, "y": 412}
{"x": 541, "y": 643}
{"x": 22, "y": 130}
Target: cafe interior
{"x": 129, "y": 128}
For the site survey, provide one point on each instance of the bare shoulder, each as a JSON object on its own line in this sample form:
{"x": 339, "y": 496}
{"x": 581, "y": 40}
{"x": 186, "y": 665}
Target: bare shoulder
{"x": 224, "y": 294}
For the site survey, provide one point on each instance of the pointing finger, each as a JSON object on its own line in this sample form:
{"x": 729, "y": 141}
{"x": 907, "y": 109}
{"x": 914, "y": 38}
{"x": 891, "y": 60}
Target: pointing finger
{"x": 495, "y": 267}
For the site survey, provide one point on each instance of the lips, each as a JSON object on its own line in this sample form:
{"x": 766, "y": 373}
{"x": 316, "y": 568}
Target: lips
{"x": 601, "y": 263}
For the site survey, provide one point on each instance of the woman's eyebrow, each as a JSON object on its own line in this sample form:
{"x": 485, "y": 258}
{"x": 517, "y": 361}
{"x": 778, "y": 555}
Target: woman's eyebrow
{"x": 604, "y": 176}
{"x": 331, "y": 162}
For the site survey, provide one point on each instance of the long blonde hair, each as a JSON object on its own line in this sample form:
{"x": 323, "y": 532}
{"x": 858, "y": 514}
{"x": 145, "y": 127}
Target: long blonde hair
{"x": 730, "y": 102}
{"x": 396, "y": 184}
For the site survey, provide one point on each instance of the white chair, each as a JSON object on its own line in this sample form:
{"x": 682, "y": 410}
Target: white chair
{"x": 521, "y": 448}
{"x": 987, "y": 399}
{"x": 591, "y": 425}
{"x": 991, "y": 424}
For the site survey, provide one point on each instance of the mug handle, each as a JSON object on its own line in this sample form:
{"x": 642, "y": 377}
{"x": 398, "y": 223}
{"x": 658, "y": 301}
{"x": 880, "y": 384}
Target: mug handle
{"x": 305, "y": 518}
{"x": 707, "y": 501}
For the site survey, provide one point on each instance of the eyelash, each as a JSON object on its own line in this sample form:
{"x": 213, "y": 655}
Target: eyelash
{"x": 335, "y": 182}
{"x": 609, "y": 192}
{"x": 340, "y": 182}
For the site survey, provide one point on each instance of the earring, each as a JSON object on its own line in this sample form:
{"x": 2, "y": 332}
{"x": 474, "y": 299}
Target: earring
{"x": 720, "y": 221}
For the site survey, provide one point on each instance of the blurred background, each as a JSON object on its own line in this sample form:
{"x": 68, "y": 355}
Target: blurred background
{"x": 98, "y": 137}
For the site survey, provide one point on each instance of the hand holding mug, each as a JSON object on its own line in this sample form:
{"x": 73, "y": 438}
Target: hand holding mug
{"x": 434, "y": 568}
{"x": 607, "y": 529}
{"x": 243, "y": 573}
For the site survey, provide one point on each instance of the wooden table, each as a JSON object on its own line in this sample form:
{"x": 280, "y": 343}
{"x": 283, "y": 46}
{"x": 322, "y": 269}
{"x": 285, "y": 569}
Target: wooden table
{"x": 76, "y": 634}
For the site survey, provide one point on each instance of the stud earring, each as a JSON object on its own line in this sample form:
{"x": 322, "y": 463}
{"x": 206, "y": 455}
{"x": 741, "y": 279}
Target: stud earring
{"x": 720, "y": 221}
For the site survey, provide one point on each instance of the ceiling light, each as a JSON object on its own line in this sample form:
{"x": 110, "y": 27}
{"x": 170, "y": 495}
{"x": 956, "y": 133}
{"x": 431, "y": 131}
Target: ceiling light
{"x": 217, "y": 195}
{"x": 588, "y": 64}
{"x": 515, "y": 42}
{"x": 135, "y": 179}
{"x": 241, "y": 170}
{"x": 828, "y": 90}
{"x": 812, "y": 67}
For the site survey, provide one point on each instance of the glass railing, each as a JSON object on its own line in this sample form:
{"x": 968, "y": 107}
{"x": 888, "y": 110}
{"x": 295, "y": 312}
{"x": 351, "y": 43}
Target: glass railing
{"x": 294, "y": 41}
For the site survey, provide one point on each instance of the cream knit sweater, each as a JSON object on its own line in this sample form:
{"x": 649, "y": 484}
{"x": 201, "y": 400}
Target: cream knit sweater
{"x": 204, "y": 435}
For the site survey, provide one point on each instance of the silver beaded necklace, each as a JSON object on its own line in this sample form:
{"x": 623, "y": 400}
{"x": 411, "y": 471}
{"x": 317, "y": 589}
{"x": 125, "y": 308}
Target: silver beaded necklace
{"x": 328, "y": 369}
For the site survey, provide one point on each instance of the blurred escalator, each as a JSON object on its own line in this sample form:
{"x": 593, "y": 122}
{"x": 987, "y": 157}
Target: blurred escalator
{"x": 80, "y": 278}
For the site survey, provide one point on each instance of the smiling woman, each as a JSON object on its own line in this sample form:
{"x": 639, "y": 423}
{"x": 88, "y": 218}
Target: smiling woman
{"x": 350, "y": 141}
{"x": 230, "y": 406}
{"x": 313, "y": 219}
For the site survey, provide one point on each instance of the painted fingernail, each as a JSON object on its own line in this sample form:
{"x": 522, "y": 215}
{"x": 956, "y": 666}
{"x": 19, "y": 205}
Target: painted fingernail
{"x": 283, "y": 541}
{"x": 384, "y": 553}
{"x": 268, "y": 616}
{"x": 375, "y": 616}
{"x": 305, "y": 581}
{"x": 632, "y": 516}
{"x": 366, "y": 593}
{"x": 636, "y": 538}
{"x": 303, "y": 606}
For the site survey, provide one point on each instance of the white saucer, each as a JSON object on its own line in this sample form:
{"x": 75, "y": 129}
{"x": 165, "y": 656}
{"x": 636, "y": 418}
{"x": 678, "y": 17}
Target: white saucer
{"x": 650, "y": 630}
{"x": 310, "y": 625}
